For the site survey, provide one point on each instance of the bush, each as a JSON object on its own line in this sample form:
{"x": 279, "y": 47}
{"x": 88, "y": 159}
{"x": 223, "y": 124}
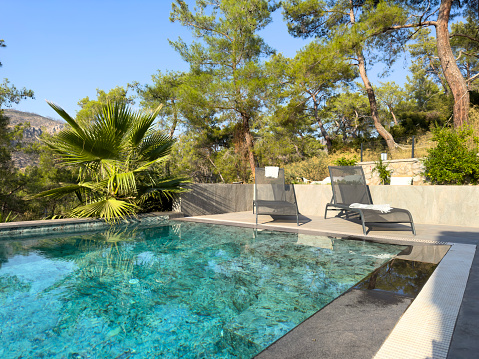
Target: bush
{"x": 313, "y": 169}
{"x": 344, "y": 161}
{"x": 384, "y": 173}
{"x": 454, "y": 160}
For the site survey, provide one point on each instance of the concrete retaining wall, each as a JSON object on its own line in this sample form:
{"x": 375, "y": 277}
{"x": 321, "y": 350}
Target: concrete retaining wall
{"x": 452, "y": 205}
{"x": 216, "y": 198}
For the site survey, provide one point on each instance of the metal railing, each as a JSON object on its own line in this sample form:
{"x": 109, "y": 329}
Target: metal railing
{"x": 406, "y": 147}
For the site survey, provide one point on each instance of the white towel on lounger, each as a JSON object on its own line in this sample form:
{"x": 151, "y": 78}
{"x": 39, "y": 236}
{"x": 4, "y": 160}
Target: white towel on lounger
{"x": 271, "y": 171}
{"x": 383, "y": 208}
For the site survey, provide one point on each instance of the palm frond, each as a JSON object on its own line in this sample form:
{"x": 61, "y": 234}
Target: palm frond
{"x": 122, "y": 184}
{"x": 169, "y": 187}
{"x": 112, "y": 210}
{"x": 143, "y": 122}
{"x": 145, "y": 166}
{"x": 66, "y": 117}
{"x": 119, "y": 152}
{"x": 156, "y": 145}
{"x": 114, "y": 116}
{"x": 74, "y": 149}
{"x": 62, "y": 191}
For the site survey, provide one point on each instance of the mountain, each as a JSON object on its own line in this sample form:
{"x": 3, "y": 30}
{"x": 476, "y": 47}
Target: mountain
{"x": 38, "y": 125}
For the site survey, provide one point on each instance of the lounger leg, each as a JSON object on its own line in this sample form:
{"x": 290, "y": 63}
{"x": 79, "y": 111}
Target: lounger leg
{"x": 362, "y": 222}
{"x": 413, "y": 228}
{"x": 325, "y": 211}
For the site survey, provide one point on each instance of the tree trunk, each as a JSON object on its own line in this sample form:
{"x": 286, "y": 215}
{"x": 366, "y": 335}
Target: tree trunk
{"x": 175, "y": 118}
{"x": 370, "y": 91}
{"x": 324, "y": 133}
{"x": 249, "y": 143}
{"x": 451, "y": 71}
{"x": 373, "y": 105}
{"x": 213, "y": 164}
{"x": 394, "y": 116}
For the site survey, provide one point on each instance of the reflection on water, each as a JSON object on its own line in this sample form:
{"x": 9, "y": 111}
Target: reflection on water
{"x": 181, "y": 290}
{"x": 399, "y": 276}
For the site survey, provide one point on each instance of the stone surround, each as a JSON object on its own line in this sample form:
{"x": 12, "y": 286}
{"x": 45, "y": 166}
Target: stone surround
{"x": 410, "y": 167}
{"x": 68, "y": 225}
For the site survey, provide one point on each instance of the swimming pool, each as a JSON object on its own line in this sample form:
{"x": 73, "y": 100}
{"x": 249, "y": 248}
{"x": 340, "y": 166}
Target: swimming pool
{"x": 178, "y": 290}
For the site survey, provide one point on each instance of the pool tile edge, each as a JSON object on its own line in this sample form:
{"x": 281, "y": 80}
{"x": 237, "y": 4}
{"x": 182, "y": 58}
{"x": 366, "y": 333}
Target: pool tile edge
{"x": 29, "y": 228}
{"x": 425, "y": 329}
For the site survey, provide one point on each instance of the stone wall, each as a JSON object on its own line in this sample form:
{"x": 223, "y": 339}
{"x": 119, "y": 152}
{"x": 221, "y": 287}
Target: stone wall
{"x": 410, "y": 167}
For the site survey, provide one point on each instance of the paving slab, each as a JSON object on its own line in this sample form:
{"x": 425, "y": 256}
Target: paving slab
{"x": 353, "y": 326}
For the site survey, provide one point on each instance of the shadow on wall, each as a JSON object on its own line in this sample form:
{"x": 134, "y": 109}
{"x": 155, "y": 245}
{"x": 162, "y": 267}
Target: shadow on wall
{"x": 204, "y": 199}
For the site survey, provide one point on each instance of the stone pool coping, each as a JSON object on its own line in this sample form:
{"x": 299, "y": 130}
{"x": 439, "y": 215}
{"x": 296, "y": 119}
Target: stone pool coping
{"x": 425, "y": 329}
{"x": 69, "y": 225}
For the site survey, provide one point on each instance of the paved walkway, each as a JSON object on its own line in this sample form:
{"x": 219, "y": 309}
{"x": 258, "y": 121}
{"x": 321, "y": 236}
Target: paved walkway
{"x": 465, "y": 338}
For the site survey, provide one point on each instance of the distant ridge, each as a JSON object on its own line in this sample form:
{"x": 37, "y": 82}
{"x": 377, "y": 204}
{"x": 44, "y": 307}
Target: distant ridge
{"x": 38, "y": 125}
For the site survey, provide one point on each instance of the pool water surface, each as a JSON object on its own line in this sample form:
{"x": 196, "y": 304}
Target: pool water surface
{"x": 183, "y": 289}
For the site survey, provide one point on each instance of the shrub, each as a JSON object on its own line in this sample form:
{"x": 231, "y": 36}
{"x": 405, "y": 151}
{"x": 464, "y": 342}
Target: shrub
{"x": 384, "y": 173}
{"x": 344, "y": 161}
{"x": 454, "y": 160}
{"x": 314, "y": 169}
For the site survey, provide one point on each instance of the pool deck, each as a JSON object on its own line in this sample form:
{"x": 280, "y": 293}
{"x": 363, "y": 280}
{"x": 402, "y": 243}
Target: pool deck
{"x": 442, "y": 322}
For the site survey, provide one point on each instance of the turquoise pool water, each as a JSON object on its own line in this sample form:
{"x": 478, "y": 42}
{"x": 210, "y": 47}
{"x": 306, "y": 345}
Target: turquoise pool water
{"x": 184, "y": 290}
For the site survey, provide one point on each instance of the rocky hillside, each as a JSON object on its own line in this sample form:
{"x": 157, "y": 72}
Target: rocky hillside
{"x": 38, "y": 125}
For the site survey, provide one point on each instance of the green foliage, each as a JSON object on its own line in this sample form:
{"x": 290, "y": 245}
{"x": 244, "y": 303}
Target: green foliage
{"x": 43, "y": 177}
{"x": 7, "y": 218}
{"x": 425, "y": 64}
{"x": 90, "y": 107}
{"x": 312, "y": 75}
{"x": 119, "y": 157}
{"x": 465, "y": 43}
{"x": 227, "y": 75}
{"x": 313, "y": 169}
{"x": 350, "y": 112}
{"x": 454, "y": 160}
{"x": 167, "y": 89}
{"x": 9, "y": 94}
{"x": 382, "y": 169}
{"x": 12, "y": 181}
{"x": 344, "y": 161}
{"x": 416, "y": 123}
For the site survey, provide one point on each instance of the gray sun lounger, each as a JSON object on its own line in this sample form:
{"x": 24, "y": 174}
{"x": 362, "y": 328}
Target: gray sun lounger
{"x": 272, "y": 196}
{"x": 349, "y": 186}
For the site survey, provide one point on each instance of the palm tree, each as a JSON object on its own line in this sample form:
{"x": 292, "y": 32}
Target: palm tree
{"x": 119, "y": 156}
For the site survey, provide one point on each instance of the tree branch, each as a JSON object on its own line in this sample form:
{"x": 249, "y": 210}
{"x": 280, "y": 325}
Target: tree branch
{"x": 466, "y": 36}
{"x": 470, "y": 79}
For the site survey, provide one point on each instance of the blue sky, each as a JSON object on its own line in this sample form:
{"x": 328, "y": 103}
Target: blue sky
{"x": 65, "y": 50}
